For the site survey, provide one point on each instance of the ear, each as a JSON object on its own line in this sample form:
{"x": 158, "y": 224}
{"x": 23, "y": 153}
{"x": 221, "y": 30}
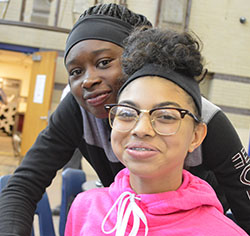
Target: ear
{"x": 200, "y": 132}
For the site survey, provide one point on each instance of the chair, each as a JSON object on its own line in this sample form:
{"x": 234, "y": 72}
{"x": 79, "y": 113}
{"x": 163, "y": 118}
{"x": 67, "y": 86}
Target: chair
{"x": 72, "y": 180}
{"x": 43, "y": 211}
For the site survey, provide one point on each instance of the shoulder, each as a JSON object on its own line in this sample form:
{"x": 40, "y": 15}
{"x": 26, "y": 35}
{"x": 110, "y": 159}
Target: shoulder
{"x": 92, "y": 202}
{"x": 66, "y": 90}
{"x": 213, "y": 114}
{"x": 94, "y": 196}
{"x": 219, "y": 126}
{"x": 69, "y": 104}
{"x": 208, "y": 110}
{"x": 68, "y": 111}
{"x": 66, "y": 121}
{"x": 220, "y": 224}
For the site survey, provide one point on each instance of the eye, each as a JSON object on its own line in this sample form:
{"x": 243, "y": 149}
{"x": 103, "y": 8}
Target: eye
{"x": 125, "y": 114}
{"x": 104, "y": 63}
{"x": 166, "y": 116}
{"x": 75, "y": 72}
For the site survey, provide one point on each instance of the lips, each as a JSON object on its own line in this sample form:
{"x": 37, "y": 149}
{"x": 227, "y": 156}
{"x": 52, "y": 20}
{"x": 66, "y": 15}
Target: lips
{"x": 141, "y": 150}
{"x": 97, "y": 99}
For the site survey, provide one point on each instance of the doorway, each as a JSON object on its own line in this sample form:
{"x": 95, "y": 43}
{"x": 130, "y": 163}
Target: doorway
{"x": 8, "y": 111}
{"x": 19, "y": 74}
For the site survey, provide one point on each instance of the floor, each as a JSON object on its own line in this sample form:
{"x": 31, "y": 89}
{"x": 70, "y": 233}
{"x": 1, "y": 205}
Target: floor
{"x": 8, "y": 163}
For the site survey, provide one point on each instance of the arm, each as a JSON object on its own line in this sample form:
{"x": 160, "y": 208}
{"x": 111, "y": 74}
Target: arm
{"x": 51, "y": 151}
{"x": 224, "y": 154}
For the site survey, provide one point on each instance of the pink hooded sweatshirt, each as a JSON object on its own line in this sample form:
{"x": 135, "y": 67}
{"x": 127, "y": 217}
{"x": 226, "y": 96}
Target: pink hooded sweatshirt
{"x": 193, "y": 209}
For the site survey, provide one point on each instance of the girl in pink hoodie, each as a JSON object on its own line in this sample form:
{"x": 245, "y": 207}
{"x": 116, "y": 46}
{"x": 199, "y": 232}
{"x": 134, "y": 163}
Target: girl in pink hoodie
{"x": 155, "y": 124}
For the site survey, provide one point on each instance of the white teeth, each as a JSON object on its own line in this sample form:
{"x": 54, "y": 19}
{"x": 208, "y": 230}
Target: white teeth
{"x": 141, "y": 149}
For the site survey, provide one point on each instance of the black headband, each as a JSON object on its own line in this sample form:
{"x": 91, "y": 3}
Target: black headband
{"x": 100, "y": 27}
{"x": 186, "y": 83}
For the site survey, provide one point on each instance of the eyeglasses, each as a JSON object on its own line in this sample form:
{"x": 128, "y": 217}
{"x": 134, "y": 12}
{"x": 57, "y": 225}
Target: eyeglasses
{"x": 164, "y": 120}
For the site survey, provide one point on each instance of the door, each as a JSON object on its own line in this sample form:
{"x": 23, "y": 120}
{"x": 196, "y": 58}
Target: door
{"x": 39, "y": 98}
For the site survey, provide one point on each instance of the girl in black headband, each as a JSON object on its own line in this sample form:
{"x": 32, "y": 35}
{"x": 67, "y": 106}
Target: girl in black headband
{"x": 155, "y": 124}
{"x": 92, "y": 59}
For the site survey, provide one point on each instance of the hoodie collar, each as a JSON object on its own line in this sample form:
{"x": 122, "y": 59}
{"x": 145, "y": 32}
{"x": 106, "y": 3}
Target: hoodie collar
{"x": 193, "y": 192}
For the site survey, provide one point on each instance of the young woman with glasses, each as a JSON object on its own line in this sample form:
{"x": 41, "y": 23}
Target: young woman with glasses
{"x": 155, "y": 124}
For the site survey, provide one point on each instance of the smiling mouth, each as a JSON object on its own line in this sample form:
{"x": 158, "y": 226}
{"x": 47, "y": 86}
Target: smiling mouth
{"x": 141, "y": 153}
{"x": 141, "y": 149}
{"x": 98, "y": 100}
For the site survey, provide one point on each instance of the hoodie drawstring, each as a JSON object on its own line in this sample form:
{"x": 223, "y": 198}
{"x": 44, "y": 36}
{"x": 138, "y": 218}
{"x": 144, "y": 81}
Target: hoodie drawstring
{"x": 123, "y": 215}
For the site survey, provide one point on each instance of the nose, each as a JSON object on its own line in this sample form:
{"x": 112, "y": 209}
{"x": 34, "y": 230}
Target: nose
{"x": 90, "y": 79}
{"x": 143, "y": 127}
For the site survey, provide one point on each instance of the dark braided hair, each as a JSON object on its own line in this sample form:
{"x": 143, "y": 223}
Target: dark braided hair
{"x": 118, "y": 11}
{"x": 178, "y": 52}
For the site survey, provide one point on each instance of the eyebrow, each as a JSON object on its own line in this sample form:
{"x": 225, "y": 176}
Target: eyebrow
{"x": 167, "y": 104}
{"x": 162, "y": 104}
{"x": 95, "y": 52}
{"x": 100, "y": 51}
{"x": 127, "y": 102}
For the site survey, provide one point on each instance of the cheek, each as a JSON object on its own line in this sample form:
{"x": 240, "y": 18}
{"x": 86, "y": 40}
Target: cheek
{"x": 115, "y": 81}
{"x": 114, "y": 73}
{"x": 75, "y": 85}
{"x": 184, "y": 140}
{"x": 117, "y": 143}
{"x": 180, "y": 142}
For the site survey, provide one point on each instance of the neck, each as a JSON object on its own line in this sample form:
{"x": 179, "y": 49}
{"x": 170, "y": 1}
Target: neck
{"x": 156, "y": 184}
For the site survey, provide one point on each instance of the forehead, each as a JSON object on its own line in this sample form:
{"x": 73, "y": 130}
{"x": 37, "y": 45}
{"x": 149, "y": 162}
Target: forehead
{"x": 93, "y": 47}
{"x": 153, "y": 90}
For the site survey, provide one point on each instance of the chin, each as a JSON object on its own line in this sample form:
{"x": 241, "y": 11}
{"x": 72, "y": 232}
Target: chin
{"x": 98, "y": 112}
{"x": 141, "y": 170}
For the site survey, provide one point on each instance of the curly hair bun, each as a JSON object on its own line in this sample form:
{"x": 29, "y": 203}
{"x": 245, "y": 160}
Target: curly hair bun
{"x": 175, "y": 51}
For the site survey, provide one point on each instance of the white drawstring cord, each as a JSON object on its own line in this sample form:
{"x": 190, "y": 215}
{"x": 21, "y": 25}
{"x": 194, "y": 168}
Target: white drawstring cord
{"x": 122, "y": 218}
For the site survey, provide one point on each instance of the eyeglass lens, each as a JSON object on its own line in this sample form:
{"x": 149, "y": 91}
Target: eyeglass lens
{"x": 164, "y": 121}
